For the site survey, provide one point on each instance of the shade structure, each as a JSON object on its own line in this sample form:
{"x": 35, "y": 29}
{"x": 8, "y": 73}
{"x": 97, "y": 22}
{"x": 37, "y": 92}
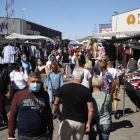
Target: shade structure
{"x": 73, "y": 42}
{"x": 110, "y": 34}
{"x": 15, "y": 36}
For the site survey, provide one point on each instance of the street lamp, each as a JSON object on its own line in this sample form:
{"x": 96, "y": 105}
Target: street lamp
{"x": 22, "y": 18}
{"x": 116, "y": 19}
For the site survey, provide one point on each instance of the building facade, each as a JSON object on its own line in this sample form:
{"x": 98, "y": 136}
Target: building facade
{"x": 128, "y": 21}
{"x": 28, "y": 28}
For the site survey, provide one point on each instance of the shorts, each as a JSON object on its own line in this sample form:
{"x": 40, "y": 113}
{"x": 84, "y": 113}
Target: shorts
{"x": 65, "y": 65}
{"x": 115, "y": 94}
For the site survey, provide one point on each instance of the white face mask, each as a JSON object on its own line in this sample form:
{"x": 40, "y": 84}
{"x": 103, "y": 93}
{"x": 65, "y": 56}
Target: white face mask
{"x": 39, "y": 63}
{"x": 96, "y": 62}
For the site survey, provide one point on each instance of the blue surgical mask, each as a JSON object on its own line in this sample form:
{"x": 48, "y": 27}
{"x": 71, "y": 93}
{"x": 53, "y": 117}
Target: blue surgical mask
{"x": 24, "y": 59}
{"x": 35, "y": 87}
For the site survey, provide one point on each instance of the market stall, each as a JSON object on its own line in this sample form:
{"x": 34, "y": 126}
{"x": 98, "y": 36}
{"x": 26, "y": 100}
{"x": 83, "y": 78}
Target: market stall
{"x": 73, "y": 43}
{"x": 125, "y": 40}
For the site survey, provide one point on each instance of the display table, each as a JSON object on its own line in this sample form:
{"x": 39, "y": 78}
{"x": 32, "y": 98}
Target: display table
{"x": 131, "y": 89}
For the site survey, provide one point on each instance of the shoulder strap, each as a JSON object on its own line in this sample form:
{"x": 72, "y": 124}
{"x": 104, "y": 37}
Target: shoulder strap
{"x": 102, "y": 105}
{"x": 34, "y": 101}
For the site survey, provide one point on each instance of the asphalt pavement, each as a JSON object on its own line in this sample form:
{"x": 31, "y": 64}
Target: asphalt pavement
{"x": 126, "y": 127}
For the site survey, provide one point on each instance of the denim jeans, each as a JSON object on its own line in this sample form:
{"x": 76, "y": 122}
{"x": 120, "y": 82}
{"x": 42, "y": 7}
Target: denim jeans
{"x": 52, "y": 99}
{"x": 104, "y": 132}
{"x": 72, "y": 68}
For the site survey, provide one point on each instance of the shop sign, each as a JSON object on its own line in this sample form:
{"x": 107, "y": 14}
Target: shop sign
{"x": 31, "y": 32}
{"x": 2, "y": 26}
{"x": 131, "y": 19}
{"x": 105, "y": 30}
{"x": 29, "y": 26}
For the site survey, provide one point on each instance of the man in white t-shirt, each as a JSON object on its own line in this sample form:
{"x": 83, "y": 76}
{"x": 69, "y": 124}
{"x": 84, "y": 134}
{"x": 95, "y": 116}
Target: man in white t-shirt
{"x": 86, "y": 81}
{"x": 48, "y": 63}
{"x": 115, "y": 76}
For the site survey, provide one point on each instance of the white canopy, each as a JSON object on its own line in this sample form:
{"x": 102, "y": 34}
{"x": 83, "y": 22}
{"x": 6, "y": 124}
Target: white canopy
{"x": 116, "y": 33}
{"x": 15, "y": 36}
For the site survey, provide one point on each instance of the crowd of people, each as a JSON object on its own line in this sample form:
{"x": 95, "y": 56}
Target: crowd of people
{"x": 35, "y": 94}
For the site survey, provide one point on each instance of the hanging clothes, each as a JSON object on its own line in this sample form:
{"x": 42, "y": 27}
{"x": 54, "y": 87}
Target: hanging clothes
{"x": 9, "y": 52}
{"x": 32, "y": 51}
{"x": 101, "y": 51}
{"x": 111, "y": 52}
{"x": 120, "y": 53}
{"x": 17, "y": 54}
{"x": 95, "y": 50}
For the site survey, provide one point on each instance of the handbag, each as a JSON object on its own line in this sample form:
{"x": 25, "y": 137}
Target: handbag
{"x": 40, "y": 109}
{"x": 94, "y": 128}
{"x": 55, "y": 91}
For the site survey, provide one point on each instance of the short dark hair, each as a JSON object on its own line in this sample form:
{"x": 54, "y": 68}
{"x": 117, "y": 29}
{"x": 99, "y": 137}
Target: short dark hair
{"x": 81, "y": 62}
{"x": 17, "y": 65}
{"x": 41, "y": 59}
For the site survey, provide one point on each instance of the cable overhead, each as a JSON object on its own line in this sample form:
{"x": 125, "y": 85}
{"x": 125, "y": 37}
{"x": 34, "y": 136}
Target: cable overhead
{"x": 64, "y": 18}
{"x": 69, "y": 14}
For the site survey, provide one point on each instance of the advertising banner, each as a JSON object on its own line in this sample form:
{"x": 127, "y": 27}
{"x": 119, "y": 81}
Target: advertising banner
{"x": 105, "y": 30}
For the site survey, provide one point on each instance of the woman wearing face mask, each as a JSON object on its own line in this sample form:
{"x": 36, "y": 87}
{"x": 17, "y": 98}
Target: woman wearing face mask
{"x": 50, "y": 61}
{"x": 42, "y": 70}
{"x": 18, "y": 79}
{"x": 53, "y": 82}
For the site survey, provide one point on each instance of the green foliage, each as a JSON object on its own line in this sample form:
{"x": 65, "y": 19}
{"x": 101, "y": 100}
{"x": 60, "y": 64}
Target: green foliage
{"x": 66, "y": 41}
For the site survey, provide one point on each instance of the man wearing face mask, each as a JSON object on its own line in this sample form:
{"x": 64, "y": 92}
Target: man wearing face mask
{"x": 26, "y": 64}
{"x": 96, "y": 70}
{"x": 30, "y": 125}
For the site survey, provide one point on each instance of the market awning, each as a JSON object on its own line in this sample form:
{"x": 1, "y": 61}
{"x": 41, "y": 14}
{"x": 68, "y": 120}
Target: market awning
{"x": 15, "y": 36}
{"x": 73, "y": 43}
{"x": 110, "y": 34}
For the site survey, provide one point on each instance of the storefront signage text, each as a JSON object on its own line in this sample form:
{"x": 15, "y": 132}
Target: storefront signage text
{"x": 31, "y": 32}
{"x": 106, "y": 30}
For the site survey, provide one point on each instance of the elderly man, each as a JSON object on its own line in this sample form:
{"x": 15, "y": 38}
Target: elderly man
{"x": 74, "y": 98}
{"x": 30, "y": 125}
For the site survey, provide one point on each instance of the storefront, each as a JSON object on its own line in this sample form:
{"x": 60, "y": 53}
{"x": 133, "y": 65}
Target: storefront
{"x": 29, "y": 28}
{"x": 128, "y": 21}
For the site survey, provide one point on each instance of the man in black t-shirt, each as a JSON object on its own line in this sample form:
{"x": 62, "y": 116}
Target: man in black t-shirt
{"x": 65, "y": 62}
{"x": 75, "y": 97}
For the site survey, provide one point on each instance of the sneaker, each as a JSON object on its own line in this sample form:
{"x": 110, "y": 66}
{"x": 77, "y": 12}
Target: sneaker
{"x": 115, "y": 115}
{"x": 65, "y": 76}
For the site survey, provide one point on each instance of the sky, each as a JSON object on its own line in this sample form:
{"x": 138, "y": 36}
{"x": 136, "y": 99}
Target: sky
{"x": 74, "y": 18}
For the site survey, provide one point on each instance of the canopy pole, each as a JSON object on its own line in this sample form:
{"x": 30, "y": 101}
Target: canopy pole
{"x": 124, "y": 84}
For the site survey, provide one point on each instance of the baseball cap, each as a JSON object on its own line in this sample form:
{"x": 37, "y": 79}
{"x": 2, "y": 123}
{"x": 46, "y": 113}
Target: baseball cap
{"x": 99, "y": 58}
